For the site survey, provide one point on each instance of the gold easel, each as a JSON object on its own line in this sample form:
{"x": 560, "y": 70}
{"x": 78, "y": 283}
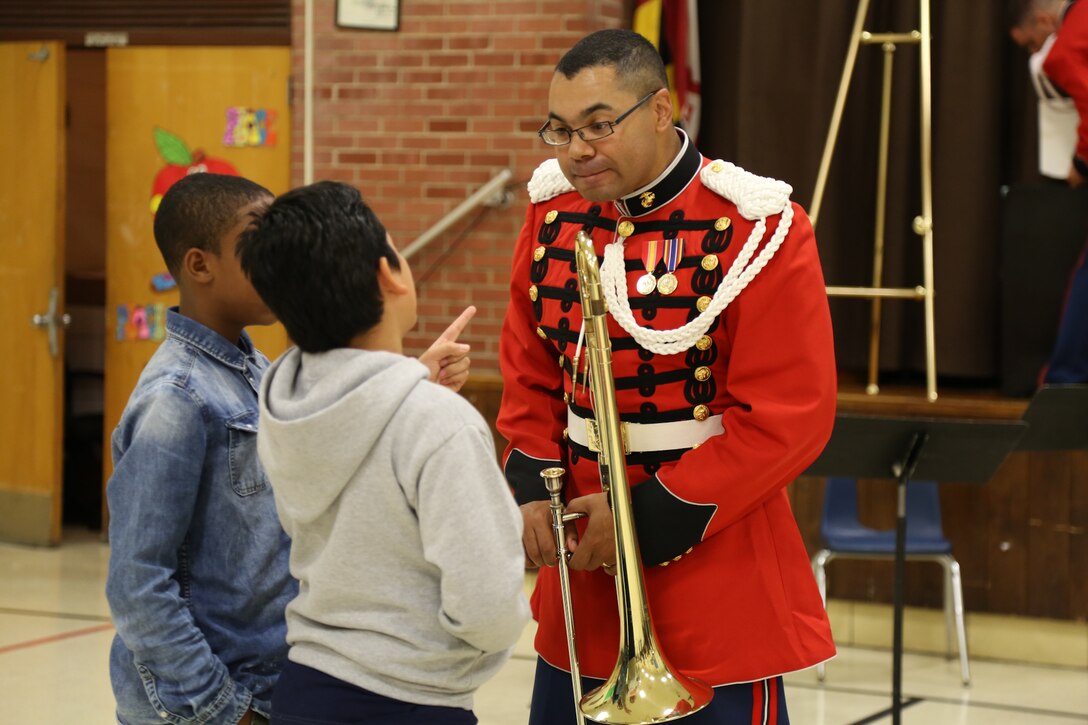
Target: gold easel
{"x": 923, "y": 224}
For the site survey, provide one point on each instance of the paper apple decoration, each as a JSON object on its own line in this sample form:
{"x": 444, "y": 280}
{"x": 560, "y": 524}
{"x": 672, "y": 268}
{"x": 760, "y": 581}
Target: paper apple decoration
{"x": 180, "y": 162}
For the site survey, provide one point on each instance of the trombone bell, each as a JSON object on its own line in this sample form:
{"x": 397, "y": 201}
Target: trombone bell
{"x": 643, "y": 690}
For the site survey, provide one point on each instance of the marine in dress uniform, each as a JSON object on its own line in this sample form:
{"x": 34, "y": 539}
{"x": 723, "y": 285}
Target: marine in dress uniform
{"x": 718, "y": 422}
{"x": 1067, "y": 65}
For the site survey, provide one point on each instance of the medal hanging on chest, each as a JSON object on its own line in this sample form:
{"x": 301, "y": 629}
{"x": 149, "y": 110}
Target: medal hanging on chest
{"x": 674, "y": 252}
{"x": 651, "y": 255}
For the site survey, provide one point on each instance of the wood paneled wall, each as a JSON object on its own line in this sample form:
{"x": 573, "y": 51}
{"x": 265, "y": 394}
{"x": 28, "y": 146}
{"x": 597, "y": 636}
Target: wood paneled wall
{"x": 1021, "y": 539}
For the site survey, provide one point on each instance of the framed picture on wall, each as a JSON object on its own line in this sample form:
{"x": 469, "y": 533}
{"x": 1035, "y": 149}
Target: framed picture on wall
{"x": 368, "y": 14}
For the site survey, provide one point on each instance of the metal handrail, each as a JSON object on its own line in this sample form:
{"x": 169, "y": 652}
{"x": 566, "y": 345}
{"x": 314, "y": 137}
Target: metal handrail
{"x": 486, "y": 194}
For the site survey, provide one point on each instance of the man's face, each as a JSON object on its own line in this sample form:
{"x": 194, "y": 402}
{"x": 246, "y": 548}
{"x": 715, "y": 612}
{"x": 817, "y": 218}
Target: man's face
{"x": 232, "y": 284}
{"x": 614, "y": 166}
{"x": 1033, "y": 32}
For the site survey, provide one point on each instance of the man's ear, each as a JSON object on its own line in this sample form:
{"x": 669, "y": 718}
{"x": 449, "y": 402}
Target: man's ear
{"x": 198, "y": 265}
{"x": 662, "y": 108}
{"x": 389, "y": 279}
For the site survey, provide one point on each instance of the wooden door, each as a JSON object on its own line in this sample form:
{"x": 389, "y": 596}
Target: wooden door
{"x": 172, "y": 111}
{"x": 31, "y": 274}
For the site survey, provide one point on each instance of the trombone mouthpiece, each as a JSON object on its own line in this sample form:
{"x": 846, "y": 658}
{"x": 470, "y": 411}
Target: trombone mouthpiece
{"x": 553, "y": 479}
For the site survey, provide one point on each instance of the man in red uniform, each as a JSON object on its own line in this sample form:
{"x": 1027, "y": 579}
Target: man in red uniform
{"x": 1066, "y": 64}
{"x": 725, "y": 375}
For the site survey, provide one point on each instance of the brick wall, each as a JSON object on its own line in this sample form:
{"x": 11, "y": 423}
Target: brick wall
{"x": 419, "y": 118}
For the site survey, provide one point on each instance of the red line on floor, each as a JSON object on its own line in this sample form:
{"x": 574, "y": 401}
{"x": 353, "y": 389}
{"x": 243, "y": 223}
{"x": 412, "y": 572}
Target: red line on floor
{"x": 55, "y": 638}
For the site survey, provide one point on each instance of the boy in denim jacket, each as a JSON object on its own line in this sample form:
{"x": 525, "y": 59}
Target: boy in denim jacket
{"x": 198, "y": 575}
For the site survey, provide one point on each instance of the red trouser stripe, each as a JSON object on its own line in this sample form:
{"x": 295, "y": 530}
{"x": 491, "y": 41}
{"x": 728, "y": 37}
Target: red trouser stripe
{"x": 765, "y": 702}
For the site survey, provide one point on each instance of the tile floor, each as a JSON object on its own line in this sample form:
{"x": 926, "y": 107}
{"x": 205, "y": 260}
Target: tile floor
{"x": 55, "y": 634}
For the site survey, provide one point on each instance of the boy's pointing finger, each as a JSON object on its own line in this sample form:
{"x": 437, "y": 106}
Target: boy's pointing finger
{"x": 458, "y": 326}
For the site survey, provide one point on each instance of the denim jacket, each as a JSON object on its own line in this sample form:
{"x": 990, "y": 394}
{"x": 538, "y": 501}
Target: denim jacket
{"x": 198, "y": 574}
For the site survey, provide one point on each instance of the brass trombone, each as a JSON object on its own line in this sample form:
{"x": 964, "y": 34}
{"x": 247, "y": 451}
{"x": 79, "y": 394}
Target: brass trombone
{"x": 643, "y": 688}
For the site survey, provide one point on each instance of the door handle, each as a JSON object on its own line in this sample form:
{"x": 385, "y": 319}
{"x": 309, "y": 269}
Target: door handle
{"x": 51, "y": 321}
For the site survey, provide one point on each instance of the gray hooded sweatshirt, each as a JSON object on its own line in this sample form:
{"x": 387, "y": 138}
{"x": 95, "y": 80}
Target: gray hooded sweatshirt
{"x": 404, "y": 536}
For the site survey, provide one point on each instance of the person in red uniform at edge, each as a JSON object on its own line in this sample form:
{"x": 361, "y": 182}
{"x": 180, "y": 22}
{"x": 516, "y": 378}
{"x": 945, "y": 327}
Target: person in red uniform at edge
{"x": 1066, "y": 64}
{"x": 727, "y": 396}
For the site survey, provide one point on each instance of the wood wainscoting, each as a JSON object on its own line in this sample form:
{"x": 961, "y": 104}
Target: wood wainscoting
{"x": 1021, "y": 539}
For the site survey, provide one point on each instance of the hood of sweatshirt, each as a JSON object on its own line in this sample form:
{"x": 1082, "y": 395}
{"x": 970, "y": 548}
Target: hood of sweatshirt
{"x": 310, "y": 431}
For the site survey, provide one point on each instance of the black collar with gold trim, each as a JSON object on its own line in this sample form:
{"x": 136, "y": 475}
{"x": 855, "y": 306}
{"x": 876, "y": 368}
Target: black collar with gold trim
{"x": 662, "y": 190}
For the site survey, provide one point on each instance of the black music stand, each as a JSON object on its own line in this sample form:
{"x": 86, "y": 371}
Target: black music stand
{"x": 961, "y": 450}
{"x": 1057, "y": 419}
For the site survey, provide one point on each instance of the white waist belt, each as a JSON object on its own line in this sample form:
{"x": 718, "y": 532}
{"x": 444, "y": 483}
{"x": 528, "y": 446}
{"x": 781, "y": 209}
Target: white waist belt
{"x": 646, "y": 437}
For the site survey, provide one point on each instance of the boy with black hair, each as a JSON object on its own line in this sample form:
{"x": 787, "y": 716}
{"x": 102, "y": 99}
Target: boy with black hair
{"x": 405, "y": 540}
{"x": 198, "y": 574}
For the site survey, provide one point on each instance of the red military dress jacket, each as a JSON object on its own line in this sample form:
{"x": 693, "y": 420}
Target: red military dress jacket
{"x": 1067, "y": 65}
{"x": 750, "y": 404}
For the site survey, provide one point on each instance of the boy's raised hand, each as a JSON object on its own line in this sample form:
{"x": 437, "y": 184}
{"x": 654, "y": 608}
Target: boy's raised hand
{"x": 448, "y": 359}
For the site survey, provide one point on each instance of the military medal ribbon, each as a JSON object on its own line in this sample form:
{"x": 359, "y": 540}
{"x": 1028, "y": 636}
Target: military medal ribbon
{"x": 674, "y": 252}
{"x": 651, "y": 255}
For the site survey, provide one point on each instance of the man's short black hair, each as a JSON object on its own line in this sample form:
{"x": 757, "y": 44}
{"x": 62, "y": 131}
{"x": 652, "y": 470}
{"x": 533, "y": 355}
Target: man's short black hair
{"x": 635, "y": 60}
{"x": 1019, "y": 11}
{"x": 313, "y": 258}
{"x": 198, "y": 210}
{"x": 1016, "y": 11}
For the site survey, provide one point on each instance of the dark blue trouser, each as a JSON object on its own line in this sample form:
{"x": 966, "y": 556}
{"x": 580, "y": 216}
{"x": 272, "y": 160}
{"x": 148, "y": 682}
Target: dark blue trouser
{"x": 305, "y": 696}
{"x": 762, "y": 702}
{"x": 1069, "y": 361}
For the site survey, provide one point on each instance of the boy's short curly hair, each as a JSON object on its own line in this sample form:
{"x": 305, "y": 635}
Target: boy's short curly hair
{"x": 198, "y": 210}
{"x": 313, "y": 258}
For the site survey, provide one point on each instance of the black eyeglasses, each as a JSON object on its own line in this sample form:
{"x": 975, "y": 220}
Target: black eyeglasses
{"x": 590, "y": 132}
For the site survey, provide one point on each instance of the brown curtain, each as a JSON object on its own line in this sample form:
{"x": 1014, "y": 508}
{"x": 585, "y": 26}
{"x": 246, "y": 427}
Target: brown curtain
{"x": 771, "y": 70}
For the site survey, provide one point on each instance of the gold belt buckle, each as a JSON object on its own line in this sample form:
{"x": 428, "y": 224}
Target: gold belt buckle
{"x": 593, "y": 442}
{"x": 593, "y": 439}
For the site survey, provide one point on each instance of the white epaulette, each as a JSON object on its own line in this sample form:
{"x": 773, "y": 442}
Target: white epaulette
{"x": 756, "y": 197}
{"x": 548, "y": 182}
